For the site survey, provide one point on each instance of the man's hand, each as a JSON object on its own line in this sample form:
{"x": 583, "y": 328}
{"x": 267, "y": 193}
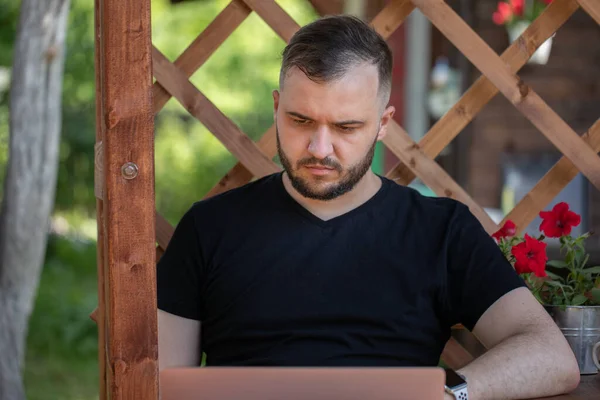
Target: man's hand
{"x": 527, "y": 357}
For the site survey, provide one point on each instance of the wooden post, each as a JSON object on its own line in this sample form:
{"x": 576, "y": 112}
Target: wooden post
{"x": 99, "y": 315}
{"x": 126, "y": 210}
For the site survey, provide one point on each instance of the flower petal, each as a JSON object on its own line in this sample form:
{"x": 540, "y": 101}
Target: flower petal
{"x": 560, "y": 208}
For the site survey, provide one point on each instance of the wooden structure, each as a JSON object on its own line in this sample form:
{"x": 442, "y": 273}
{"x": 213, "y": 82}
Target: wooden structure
{"x": 501, "y": 138}
{"x": 129, "y": 228}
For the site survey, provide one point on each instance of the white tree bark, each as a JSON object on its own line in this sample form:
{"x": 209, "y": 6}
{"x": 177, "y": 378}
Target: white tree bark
{"x": 35, "y": 124}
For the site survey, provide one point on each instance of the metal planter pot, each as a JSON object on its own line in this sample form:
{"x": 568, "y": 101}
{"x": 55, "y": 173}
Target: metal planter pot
{"x": 581, "y": 327}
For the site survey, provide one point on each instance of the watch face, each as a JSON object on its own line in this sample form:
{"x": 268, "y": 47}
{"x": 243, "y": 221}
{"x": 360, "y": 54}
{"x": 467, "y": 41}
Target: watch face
{"x": 453, "y": 380}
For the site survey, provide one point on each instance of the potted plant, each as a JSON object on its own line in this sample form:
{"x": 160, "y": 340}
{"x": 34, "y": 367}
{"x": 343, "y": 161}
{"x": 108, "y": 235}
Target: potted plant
{"x": 516, "y": 16}
{"x": 568, "y": 287}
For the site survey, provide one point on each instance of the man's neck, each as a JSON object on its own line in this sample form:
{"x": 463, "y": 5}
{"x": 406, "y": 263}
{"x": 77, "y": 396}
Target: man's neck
{"x": 366, "y": 188}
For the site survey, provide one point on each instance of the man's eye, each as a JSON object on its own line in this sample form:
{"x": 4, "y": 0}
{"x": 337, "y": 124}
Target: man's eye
{"x": 301, "y": 121}
{"x": 347, "y": 128}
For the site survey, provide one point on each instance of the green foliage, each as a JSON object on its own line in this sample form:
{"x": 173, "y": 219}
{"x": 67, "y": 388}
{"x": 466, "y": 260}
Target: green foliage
{"x": 62, "y": 341}
{"x": 9, "y": 14}
{"x": 9, "y": 10}
{"x": 578, "y": 283}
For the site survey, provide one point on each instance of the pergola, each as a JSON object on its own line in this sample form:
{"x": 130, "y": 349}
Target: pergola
{"x": 129, "y": 227}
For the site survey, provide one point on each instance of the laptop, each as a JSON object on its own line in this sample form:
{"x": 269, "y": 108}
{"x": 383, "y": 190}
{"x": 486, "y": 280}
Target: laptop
{"x": 302, "y": 383}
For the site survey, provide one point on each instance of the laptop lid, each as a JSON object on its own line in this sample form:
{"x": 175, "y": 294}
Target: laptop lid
{"x": 296, "y": 383}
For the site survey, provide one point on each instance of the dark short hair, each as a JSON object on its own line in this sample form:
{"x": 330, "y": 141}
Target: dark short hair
{"x": 328, "y": 47}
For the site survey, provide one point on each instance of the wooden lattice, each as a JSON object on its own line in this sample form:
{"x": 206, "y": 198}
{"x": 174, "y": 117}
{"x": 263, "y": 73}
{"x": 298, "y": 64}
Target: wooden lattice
{"x": 127, "y": 102}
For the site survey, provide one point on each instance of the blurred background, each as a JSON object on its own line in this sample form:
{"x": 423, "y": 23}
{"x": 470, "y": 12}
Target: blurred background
{"x": 498, "y": 157}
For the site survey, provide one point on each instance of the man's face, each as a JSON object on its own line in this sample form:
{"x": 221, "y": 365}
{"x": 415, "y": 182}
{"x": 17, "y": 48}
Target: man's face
{"x": 326, "y": 132}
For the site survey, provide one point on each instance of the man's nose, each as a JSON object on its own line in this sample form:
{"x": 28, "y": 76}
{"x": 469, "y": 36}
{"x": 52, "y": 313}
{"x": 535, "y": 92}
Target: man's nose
{"x": 320, "y": 143}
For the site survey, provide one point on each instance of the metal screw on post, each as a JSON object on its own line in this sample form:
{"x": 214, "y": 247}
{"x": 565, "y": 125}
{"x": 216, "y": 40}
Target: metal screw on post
{"x": 129, "y": 170}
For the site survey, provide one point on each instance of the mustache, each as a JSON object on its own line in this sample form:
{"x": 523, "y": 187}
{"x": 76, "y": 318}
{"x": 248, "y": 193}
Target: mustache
{"x": 325, "y": 162}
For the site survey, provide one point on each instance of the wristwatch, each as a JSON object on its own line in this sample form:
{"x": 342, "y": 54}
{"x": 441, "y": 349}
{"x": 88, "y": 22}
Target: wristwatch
{"x": 456, "y": 385}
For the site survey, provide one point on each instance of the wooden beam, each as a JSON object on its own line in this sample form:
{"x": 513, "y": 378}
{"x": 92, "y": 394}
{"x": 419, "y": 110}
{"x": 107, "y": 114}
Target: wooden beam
{"x": 275, "y": 17}
{"x": 164, "y": 231}
{"x": 523, "y": 97}
{"x": 391, "y": 17}
{"x": 239, "y": 175}
{"x": 551, "y": 184}
{"x": 204, "y": 46}
{"x": 434, "y": 176}
{"x": 592, "y": 7}
{"x": 126, "y": 125}
{"x": 455, "y": 355}
{"x": 482, "y": 91}
{"x": 99, "y": 315}
{"x": 327, "y": 7}
{"x": 199, "y": 106}
{"x": 99, "y": 170}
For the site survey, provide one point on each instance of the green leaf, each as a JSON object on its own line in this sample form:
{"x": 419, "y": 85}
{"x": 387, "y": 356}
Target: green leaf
{"x": 592, "y": 270}
{"x": 570, "y": 258}
{"x": 553, "y": 284}
{"x": 578, "y": 300}
{"x": 557, "y": 264}
{"x": 596, "y": 294}
{"x": 556, "y": 301}
{"x": 554, "y": 276}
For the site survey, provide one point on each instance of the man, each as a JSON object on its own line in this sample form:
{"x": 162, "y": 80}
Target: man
{"x": 328, "y": 264}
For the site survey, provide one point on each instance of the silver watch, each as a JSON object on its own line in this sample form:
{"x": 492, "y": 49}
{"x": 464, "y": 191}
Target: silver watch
{"x": 456, "y": 385}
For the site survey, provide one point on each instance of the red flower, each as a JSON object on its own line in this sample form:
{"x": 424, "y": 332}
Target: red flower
{"x": 508, "y": 229}
{"x": 502, "y": 14}
{"x": 517, "y": 6}
{"x": 530, "y": 256}
{"x": 559, "y": 221}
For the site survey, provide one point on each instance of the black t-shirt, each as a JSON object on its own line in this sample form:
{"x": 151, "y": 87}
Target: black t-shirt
{"x": 380, "y": 285}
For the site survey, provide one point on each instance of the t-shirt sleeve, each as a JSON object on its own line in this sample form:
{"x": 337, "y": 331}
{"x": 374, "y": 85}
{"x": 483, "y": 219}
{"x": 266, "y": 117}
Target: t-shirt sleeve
{"x": 478, "y": 272}
{"x": 179, "y": 271}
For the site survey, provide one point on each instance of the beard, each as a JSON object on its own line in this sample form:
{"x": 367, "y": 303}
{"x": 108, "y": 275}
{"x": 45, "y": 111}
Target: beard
{"x": 349, "y": 177}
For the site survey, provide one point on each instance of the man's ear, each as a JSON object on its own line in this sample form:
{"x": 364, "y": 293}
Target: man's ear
{"x": 386, "y": 118}
{"x": 275, "y": 104}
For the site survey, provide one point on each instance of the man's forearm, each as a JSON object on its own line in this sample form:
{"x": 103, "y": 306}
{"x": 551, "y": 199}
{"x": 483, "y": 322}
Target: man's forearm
{"x": 523, "y": 366}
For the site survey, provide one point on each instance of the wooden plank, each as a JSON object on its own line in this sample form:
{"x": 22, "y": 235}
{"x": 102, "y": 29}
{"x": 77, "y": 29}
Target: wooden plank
{"x": 516, "y": 91}
{"x": 99, "y": 170}
{"x": 238, "y": 143}
{"x": 592, "y": 7}
{"x": 99, "y": 183}
{"x": 159, "y": 252}
{"x": 482, "y": 91}
{"x": 204, "y": 46}
{"x": 164, "y": 231}
{"x": 128, "y": 206}
{"x": 434, "y": 176}
{"x": 94, "y": 315}
{"x": 551, "y": 184}
{"x": 275, "y": 17}
{"x": 239, "y": 175}
{"x": 455, "y": 356}
{"x": 391, "y": 17}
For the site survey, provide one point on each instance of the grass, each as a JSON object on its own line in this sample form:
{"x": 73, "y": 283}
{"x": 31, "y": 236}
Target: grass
{"x": 61, "y": 361}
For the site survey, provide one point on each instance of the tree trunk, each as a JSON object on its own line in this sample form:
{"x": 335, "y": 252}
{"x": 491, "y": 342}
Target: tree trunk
{"x": 30, "y": 184}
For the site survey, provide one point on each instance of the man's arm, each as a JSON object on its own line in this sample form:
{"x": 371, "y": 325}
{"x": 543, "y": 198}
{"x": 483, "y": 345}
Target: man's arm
{"x": 178, "y": 341}
{"x": 527, "y": 357}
